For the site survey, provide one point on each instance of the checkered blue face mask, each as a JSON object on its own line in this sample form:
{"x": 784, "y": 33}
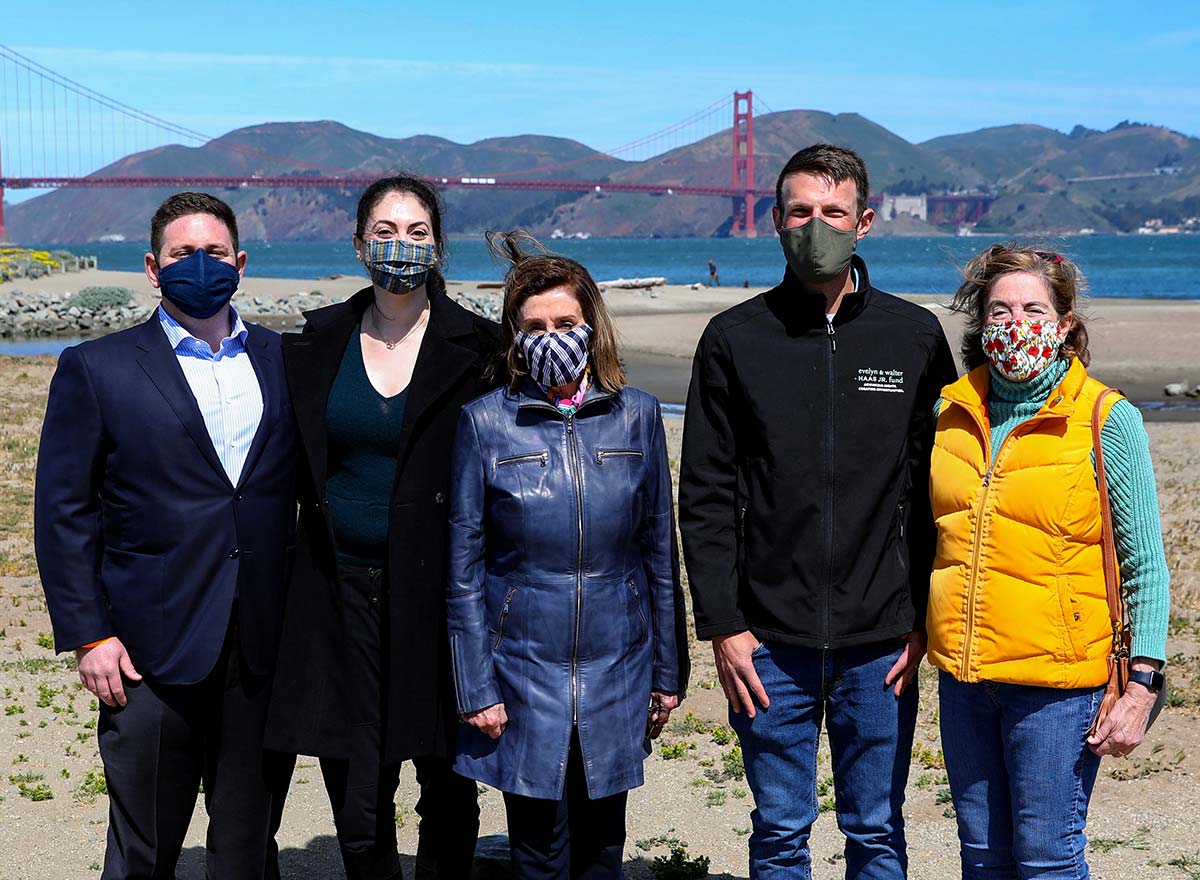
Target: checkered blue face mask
{"x": 556, "y": 359}
{"x": 398, "y": 266}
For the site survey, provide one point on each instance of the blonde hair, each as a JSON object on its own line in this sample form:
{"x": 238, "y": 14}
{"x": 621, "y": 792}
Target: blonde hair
{"x": 1060, "y": 275}
{"x": 534, "y": 270}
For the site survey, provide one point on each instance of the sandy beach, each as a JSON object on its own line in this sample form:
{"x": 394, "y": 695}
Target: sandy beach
{"x": 53, "y": 809}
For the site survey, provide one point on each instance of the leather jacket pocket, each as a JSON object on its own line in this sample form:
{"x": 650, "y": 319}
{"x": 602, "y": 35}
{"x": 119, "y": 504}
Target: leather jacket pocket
{"x": 541, "y": 458}
{"x": 603, "y": 454}
{"x": 504, "y": 610}
{"x": 636, "y": 597}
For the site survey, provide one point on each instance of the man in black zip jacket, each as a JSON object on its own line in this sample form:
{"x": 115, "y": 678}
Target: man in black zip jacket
{"x": 806, "y": 524}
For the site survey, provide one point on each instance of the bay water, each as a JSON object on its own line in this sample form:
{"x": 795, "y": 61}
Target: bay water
{"x": 1137, "y": 266}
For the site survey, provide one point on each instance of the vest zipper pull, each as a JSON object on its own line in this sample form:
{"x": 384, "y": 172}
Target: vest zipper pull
{"x": 832, "y": 337}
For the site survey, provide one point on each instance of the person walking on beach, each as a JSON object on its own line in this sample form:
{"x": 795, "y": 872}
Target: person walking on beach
{"x": 365, "y": 684}
{"x": 806, "y": 523}
{"x": 714, "y": 280}
{"x": 163, "y": 521}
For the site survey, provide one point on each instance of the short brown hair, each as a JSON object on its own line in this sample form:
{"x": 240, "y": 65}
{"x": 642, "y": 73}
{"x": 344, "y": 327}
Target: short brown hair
{"x": 831, "y": 163}
{"x": 1060, "y": 275}
{"x": 535, "y": 270}
{"x": 185, "y": 204}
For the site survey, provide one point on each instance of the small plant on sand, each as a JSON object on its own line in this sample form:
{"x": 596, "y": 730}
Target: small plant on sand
{"x": 688, "y": 724}
{"x": 45, "y": 640}
{"x": 674, "y": 751}
{"x": 928, "y": 758}
{"x": 1140, "y": 839}
{"x": 679, "y": 866}
{"x": 721, "y": 734}
{"x": 39, "y": 792}
{"x": 667, "y": 839}
{"x": 46, "y": 695}
{"x": 94, "y": 784}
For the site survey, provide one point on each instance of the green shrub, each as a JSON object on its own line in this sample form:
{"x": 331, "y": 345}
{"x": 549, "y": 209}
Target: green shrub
{"x": 674, "y": 751}
{"x": 39, "y": 792}
{"x": 679, "y": 866}
{"x": 94, "y": 784}
{"x": 97, "y": 299}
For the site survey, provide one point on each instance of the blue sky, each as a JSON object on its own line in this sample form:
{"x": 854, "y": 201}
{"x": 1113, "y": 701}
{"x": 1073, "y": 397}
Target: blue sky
{"x": 608, "y": 73}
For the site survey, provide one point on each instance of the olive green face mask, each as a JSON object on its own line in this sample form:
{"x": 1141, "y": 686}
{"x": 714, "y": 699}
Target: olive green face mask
{"x": 817, "y": 252}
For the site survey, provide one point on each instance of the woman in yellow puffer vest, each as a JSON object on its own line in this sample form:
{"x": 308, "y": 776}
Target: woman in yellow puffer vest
{"x": 1018, "y": 620}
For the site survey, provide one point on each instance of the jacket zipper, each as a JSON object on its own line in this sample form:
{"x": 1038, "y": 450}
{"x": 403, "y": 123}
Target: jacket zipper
{"x": 612, "y": 453}
{"x": 542, "y": 457}
{"x": 830, "y": 489}
{"x": 637, "y": 603}
{"x": 573, "y": 453}
{"x": 503, "y": 614}
{"x": 977, "y": 536}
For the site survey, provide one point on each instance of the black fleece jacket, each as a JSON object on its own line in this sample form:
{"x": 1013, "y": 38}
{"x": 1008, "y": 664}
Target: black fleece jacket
{"x": 803, "y": 497}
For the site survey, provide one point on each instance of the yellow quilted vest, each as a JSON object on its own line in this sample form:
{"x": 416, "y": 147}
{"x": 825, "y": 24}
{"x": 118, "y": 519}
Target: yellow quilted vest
{"x": 1017, "y": 592}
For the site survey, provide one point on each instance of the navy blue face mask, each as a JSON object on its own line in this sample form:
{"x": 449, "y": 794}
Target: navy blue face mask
{"x": 201, "y": 285}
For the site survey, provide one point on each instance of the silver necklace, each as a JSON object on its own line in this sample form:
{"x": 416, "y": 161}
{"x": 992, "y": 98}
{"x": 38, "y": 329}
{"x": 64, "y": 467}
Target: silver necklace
{"x": 391, "y": 346}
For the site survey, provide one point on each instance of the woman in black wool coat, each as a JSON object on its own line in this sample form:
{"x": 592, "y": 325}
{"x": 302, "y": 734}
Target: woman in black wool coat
{"x": 363, "y": 678}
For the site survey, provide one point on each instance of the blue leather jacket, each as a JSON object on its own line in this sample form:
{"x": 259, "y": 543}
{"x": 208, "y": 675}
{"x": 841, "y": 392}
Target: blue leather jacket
{"x": 563, "y": 583}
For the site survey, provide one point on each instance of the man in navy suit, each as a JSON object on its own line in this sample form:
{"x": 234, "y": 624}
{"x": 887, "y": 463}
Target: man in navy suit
{"x": 164, "y": 523}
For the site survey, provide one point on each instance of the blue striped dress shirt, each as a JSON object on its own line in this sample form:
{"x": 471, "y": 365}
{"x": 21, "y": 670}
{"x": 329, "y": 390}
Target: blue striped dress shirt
{"x": 225, "y": 387}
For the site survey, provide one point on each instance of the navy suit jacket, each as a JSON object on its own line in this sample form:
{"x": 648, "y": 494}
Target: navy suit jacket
{"x": 139, "y": 532}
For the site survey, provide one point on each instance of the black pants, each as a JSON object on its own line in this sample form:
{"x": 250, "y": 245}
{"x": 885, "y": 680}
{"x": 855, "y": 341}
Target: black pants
{"x": 574, "y": 837}
{"x": 165, "y": 742}
{"x": 362, "y": 789}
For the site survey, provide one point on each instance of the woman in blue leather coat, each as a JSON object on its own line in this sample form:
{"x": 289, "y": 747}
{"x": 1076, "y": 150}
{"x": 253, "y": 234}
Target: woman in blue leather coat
{"x": 563, "y": 585}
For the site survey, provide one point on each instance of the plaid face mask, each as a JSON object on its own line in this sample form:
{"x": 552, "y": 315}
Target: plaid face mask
{"x": 398, "y": 266}
{"x": 556, "y": 359}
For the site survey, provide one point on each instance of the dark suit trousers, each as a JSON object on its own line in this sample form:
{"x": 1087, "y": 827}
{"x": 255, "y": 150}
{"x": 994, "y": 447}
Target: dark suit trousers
{"x": 165, "y": 742}
{"x": 362, "y": 789}
{"x": 572, "y": 838}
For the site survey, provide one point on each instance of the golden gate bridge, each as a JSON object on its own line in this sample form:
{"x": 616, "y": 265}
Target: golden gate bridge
{"x": 56, "y": 133}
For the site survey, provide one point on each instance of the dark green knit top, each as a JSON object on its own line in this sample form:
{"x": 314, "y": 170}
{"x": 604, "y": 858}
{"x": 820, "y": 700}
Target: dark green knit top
{"x": 363, "y": 428}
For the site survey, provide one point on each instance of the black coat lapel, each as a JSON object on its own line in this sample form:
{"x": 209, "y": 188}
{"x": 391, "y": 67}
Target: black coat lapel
{"x": 161, "y": 365}
{"x": 311, "y": 360}
{"x": 265, "y": 368}
{"x": 446, "y": 355}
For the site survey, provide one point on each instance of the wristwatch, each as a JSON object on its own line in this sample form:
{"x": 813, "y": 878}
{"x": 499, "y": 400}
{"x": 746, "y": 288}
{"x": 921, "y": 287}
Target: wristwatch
{"x": 1152, "y": 679}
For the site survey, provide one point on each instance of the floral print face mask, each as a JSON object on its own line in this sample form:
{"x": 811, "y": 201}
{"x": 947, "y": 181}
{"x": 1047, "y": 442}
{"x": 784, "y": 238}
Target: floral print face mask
{"x": 1020, "y": 350}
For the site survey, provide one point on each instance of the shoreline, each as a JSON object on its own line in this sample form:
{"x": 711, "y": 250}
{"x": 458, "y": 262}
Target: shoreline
{"x": 1138, "y": 345}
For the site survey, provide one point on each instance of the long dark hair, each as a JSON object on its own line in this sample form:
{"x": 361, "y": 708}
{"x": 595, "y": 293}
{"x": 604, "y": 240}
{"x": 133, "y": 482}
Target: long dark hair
{"x": 416, "y": 187}
{"x": 533, "y": 270}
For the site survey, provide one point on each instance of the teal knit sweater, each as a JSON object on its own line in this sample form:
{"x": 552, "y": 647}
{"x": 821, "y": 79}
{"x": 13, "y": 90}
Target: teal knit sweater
{"x": 1132, "y": 496}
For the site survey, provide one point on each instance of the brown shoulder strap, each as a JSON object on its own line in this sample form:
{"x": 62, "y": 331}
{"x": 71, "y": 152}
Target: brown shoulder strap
{"x": 1112, "y": 580}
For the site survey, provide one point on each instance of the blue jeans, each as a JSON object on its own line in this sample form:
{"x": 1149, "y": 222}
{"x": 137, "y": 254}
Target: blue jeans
{"x": 1021, "y": 776}
{"x": 870, "y": 739}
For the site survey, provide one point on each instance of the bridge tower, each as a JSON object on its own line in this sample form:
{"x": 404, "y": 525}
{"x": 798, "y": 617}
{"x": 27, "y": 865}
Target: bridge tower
{"x": 743, "y": 164}
{"x": 3, "y": 231}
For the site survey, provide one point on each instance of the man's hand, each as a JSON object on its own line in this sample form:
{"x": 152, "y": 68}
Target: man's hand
{"x": 1125, "y": 727}
{"x": 905, "y": 668}
{"x": 100, "y": 670}
{"x": 491, "y": 720}
{"x": 661, "y": 705}
{"x": 735, "y": 669}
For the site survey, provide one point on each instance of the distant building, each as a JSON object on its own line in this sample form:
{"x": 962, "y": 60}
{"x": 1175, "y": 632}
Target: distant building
{"x": 893, "y": 206}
